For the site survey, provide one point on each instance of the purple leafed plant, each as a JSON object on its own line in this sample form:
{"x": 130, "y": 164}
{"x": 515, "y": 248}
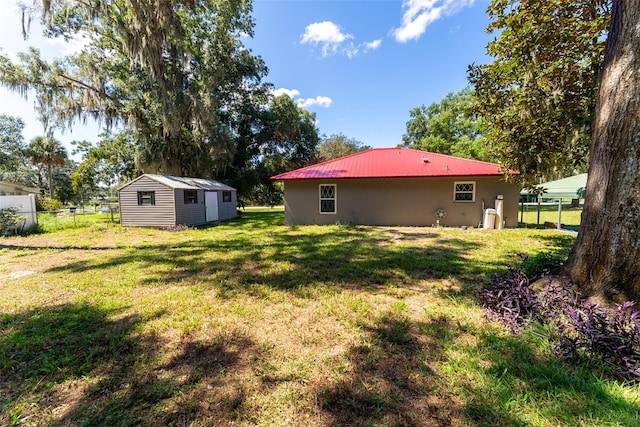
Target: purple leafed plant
{"x": 582, "y": 328}
{"x": 510, "y": 300}
{"x": 614, "y": 335}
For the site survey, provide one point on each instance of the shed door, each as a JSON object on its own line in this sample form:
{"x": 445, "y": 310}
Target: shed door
{"x": 211, "y": 205}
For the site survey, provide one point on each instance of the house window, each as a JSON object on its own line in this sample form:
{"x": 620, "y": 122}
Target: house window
{"x": 146, "y": 198}
{"x": 464, "y": 191}
{"x": 226, "y": 196}
{"x": 328, "y": 199}
{"x": 190, "y": 197}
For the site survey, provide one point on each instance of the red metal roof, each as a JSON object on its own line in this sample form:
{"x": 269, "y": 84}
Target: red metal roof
{"x": 393, "y": 163}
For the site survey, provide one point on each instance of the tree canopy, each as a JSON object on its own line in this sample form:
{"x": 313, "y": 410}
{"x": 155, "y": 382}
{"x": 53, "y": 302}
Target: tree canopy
{"x": 449, "y": 127}
{"x": 334, "y": 146}
{"x": 174, "y": 75}
{"x": 49, "y": 153}
{"x": 11, "y": 143}
{"x": 538, "y": 95}
{"x": 104, "y": 164}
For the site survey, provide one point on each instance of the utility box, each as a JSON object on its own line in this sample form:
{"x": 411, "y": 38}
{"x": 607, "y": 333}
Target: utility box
{"x": 489, "y": 219}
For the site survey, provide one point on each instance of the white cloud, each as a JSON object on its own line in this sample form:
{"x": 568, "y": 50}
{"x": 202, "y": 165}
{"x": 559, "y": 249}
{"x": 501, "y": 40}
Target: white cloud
{"x": 291, "y": 93}
{"x": 332, "y": 40}
{"x": 372, "y": 45}
{"x": 321, "y": 101}
{"x": 419, "y": 14}
{"x": 326, "y": 34}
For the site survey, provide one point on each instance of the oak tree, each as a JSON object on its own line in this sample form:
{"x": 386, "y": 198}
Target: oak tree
{"x": 449, "y": 127}
{"x": 605, "y": 260}
{"x": 338, "y": 145}
{"x": 11, "y": 143}
{"x": 538, "y": 95}
{"x": 173, "y": 73}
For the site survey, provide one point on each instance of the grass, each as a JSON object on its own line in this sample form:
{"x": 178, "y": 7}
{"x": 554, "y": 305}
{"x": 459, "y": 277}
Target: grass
{"x": 549, "y": 213}
{"x": 255, "y": 323}
{"x": 49, "y": 222}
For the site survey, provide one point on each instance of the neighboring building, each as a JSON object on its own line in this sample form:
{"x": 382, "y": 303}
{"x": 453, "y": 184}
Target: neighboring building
{"x": 398, "y": 186}
{"x": 10, "y": 189}
{"x": 572, "y": 187}
{"x": 24, "y": 198}
{"x": 159, "y": 201}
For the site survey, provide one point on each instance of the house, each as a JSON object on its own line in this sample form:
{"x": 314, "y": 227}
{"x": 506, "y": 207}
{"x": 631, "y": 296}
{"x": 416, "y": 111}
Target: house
{"x": 24, "y": 199}
{"x": 160, "y": 201}
{"x": 10, "y": 189}
{"x": 399, "y": 186}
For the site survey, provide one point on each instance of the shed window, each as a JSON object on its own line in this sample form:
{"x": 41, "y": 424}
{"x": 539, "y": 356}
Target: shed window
{"x": 226, "y": 196}
{"x": 146, "y": 198}
{"x": 328, "y": 199}
{"x": 464, "y": 191}
{"x": 190, "y": 197}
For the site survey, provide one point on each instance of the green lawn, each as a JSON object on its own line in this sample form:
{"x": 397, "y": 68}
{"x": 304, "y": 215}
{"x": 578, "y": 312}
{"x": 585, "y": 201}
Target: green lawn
{"x": 570, "y": 216}
{"x": 255, "y": 323}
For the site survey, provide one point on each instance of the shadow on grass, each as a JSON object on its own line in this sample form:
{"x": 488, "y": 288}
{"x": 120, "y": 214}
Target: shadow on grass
{"x": 84, "y": 365}
{"x": 390, "y": 384}
{"x": 291, "y": 260}
{"x": 121, "y": 376}
{"x": 517, "y": 379}
{"x": 491, "y": 381}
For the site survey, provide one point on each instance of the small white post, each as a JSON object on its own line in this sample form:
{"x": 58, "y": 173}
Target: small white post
{"x": 559, "y": 213}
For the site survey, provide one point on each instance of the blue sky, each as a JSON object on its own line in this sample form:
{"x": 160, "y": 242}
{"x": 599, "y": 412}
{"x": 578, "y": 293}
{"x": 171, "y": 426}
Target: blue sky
{"x": 360, "y": 65}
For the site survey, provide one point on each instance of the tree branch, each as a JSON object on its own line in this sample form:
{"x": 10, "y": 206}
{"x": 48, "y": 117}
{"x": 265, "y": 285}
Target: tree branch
{"x": 100, "y": 91}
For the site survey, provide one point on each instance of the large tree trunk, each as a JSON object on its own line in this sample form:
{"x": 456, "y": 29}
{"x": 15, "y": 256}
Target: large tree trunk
{"x": 605, "y": 260}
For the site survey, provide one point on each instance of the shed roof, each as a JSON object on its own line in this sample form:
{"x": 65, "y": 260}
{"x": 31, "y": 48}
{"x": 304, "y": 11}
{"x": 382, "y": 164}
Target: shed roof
{"x": 393, "y": 163}
{"x": 185, "y": 183}
{"x": 567, "y": 188}
{"x": 10, "y": 186}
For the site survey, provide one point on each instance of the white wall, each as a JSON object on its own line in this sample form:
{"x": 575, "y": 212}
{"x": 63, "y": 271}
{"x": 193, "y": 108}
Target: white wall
{"x": 27, "y": 209}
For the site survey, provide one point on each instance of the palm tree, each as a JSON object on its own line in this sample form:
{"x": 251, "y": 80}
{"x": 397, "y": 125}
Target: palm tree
{"x": 49, "y": 152}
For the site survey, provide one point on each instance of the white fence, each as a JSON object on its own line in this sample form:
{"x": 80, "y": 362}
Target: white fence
{"x": 27, "y": 209}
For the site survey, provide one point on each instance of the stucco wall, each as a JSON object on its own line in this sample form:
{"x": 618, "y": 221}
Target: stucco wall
{"x": 401, "y": 201}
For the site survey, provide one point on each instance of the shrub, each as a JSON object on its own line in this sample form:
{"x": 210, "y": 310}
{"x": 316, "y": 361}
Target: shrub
{"x": 582, "y": 328}
{"x": 613, "y": 335}
{"x": 9, "y": 220}
{"x": 510, "y": 300}
{"x": 48, "y": 204}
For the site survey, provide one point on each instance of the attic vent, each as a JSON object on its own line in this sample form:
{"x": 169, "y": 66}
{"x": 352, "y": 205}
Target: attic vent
{"x": 425, "y": 160}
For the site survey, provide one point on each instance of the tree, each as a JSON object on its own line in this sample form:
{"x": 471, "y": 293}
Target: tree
{"x": 11, "y": 143}
{"x": 538, "y": 95}
{"x": 270, "y": 140}
{"x": 605, "y": 260}
{"x": 111, "y": 161}
{"x": 63, "y": 184}
{"x": 339, "y": 145}
{"x": 449, "y": 127}
{"x": 48, "y": 152}
{"x": 176, "y": 77}
{"x": 173, "y": 73}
